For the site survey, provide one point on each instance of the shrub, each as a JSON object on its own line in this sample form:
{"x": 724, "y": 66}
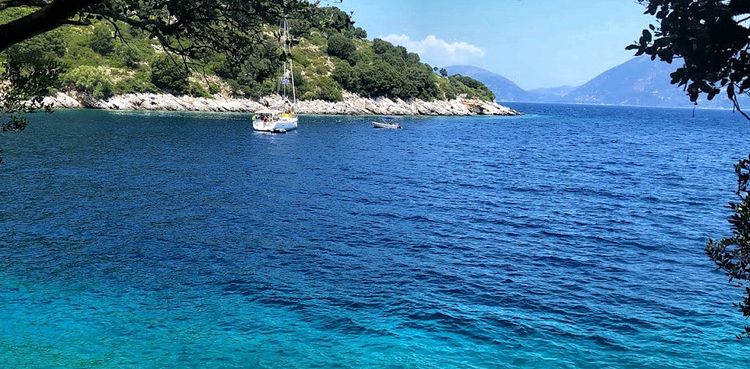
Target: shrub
{"x": 170, "y": 76}
{"x": 418, "y": 81}
{"x": 250, "y": 74}
{"x": 378, "y": 79}
{"x": 324, "y": 89}
{"x": 471, "y": 87}
{"x": 33, "y": 67}
{"x": 448, "y": 89}
{"x": 341, "y": 46}
{"x": 300, "y": 84}
{"x": 359, "y": 32}
{"x": 129, "y": 56}
{"x": 381, "y": 47}
{"x": 345, "y": 76}
{"x": 102, "y": 40}
{"x": 387, "y": 70}
{"x": 90, "y": 80}
{"x": 137, "y": 82}
{"x": 329, "y": 90}
{"x": 196, "y": 90}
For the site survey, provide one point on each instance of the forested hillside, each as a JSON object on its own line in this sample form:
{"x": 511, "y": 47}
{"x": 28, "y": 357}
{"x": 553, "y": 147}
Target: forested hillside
{"x": 330, "y": 55}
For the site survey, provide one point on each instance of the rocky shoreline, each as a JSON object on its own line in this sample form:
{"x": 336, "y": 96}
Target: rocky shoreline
{"x": 352, "y": 105}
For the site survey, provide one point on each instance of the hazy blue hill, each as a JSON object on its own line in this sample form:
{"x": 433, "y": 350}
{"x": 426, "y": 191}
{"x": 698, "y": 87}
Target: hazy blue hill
{"x": 639, "y": 81}
{"x": 551, "y": 94}
{"x": 504, "y": 89}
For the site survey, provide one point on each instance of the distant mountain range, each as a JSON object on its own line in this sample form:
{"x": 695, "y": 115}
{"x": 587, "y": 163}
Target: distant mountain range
{"x": 640, "y": 82}
{"x": 552, "y": 93}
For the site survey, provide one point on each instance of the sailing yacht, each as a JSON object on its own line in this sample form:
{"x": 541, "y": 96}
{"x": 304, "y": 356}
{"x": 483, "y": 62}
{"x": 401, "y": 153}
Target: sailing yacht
{"x": 284, "y": 119}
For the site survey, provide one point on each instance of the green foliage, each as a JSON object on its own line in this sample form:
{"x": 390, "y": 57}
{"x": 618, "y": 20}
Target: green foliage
{"x": 102, "y": 40}
{"x": 317, "y": 38}
{"x": 90, "y": 80}
{"x": 300, "y": 82}
{"x": 129, "y": 56}
{"x": 382, "y": 47}
{"x": 471, "y": 87}
{"x": 138, "y": 81}
{"x": 732, "y": 254}
{"x": 213, "y": 88}
{"x": 345, "y": 75}
{"x": 326, "y": 19}
{"x": 251, "y": 76}
{"x": 323, "y": 88}
{"x": 378, "y": 78}
{"x": 709, "y": 37}
{"x": 30, "y": 70}
{"x": 329, "y": 90}
{"x": 450, "y": 91}
{"x": 388, "y": 70}
{"x": 420, "y": 82}
{"x": 35, "y": 63}
{"x": 443, "y": 72}
{"x": 341, "y": 46}
{"x": 333, "y": 19}
{"x": 196, "y": 90}
{"x": 170, "y": 75}
{"x": 359, "y": 33}
{"x": 13, "y": 13}
{"x": 458, "y": 85}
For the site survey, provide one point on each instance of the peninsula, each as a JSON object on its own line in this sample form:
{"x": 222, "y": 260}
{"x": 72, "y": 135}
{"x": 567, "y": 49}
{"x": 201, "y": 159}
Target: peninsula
{"x": 337, "y": 70}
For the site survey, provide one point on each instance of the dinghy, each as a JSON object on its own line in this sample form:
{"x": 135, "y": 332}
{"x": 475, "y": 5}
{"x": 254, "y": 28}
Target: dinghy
{"x": 386, "y": 123}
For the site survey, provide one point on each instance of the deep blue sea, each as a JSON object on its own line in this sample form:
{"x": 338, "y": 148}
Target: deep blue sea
{"x": 570, "y": 237}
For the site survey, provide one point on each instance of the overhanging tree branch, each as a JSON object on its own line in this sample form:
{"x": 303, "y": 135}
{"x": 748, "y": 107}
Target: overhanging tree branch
{"x": 5, "y": 4}
{"x": 47, "y": 18}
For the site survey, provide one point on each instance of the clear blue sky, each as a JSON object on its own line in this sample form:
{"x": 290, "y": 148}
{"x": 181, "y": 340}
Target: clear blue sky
{"x": 535, "y": 43}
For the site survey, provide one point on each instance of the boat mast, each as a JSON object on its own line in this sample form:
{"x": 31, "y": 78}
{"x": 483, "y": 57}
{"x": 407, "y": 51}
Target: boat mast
{"x": 288, "y": 65}
{"x": 291, "y": 62}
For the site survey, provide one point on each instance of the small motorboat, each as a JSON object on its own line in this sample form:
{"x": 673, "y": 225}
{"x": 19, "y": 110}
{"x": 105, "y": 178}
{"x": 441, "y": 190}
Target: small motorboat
{"x": 386, "y": 123}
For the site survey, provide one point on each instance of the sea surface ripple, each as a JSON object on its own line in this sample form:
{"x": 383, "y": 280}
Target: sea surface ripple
{"x": 571, "y": 237}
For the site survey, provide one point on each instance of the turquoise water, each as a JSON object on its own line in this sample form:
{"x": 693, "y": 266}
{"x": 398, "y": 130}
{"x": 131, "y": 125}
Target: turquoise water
{"x": 571, "y": 237}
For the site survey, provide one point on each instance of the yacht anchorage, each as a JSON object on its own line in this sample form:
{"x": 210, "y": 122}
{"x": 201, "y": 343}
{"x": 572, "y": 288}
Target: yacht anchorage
{"x": 285, "y": 119}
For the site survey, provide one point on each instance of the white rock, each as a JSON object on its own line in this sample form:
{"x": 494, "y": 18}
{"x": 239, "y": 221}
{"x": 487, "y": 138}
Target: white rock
{"x": 352, "y": 104}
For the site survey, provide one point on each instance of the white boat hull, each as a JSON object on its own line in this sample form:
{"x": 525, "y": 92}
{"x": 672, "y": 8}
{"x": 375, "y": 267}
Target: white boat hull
{"x": 386, "y": 125}
{"x": 277, "y": 125}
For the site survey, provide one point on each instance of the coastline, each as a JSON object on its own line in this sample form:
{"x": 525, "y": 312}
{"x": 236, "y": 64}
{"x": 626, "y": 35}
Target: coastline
{"x": 351, "y": 105}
